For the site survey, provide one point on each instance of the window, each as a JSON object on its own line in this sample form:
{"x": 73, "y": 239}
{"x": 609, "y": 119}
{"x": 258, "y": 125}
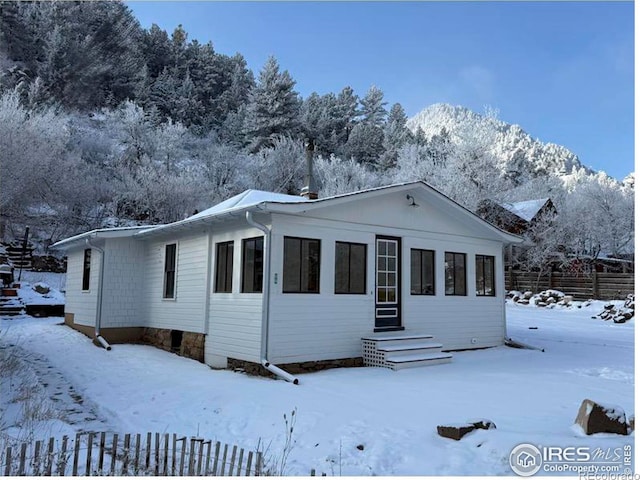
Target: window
{"x": 301, "y": 269}
{"x": 485, "y": 276}
{"x": 351, "y": 268}
{"x": 86, "y": 269}
{"x": 224, "y": 267}
{"x": 422, "y": 272}
{"x": 252, "y": 254}
{"x": 169, "y": 271}
{"x": 455, "y": 273}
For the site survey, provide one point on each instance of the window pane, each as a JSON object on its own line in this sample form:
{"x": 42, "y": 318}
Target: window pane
{"x": 489, "y": 270}
{"x": 460, "y": 274}
{"x": 391, "y": 295}
{"x": 358, "y": 269}
{"x": 391, "y": 279}
{"x": 416, "y": 281}
{"x": 382, "y": 264}
{"x": 391, "y": 264}
{"x": 224, "y": 267}
{"x": 382, "y": 247}
{"x": 391, "y": 249}
{"x": 86, "y": 269}
{"x": 342, "y": 268}
{"x": 382, "y": 279}
{"x": 310, "y": 266}
{"x": 479, "y": 275}
{"x": 257, "y": 271}
{"x": 428, "y": 287}
{"x": 382, "y": 295}
{"x": 169, "y": 269}
{"x": 291, "y": 267}
{"x": 448, "y": 274}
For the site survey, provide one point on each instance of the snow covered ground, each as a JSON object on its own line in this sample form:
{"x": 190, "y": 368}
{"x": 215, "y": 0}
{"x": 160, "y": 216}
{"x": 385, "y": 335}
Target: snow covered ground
{"x": 532, "y": 396}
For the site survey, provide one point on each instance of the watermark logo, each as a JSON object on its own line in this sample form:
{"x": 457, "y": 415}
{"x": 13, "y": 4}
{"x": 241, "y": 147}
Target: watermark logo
{"x": 525, "y": 459}
{"x": 587, "y": 462}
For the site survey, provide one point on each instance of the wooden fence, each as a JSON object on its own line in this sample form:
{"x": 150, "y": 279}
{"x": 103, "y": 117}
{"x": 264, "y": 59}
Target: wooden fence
{"x": 110, "y": 454}
{"x": 602, "y": 286}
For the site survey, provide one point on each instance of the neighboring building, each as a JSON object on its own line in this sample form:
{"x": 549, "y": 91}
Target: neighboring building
{"x": 269, "y": 278}
{"x": 517, "y": 217}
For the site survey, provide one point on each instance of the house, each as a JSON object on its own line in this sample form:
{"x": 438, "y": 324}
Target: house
{"x": 270, "y": 279}
{"x": 517, "y": 217}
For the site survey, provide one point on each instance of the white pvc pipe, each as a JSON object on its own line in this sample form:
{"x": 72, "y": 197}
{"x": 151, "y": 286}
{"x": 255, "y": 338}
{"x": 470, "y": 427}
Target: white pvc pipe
{"x": 279, "y": 372}
{"x": 103, "y": 342}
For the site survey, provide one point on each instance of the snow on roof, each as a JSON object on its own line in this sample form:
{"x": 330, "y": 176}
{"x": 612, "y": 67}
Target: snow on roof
{"x": 242, "y": 201}
{"x": 246, "y": 199}
{"x": 123, "y": 230}
{"x": 525, "y": 210}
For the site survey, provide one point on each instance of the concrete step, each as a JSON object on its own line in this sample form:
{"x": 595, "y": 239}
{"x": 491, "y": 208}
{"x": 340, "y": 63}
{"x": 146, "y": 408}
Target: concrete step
{"x": 399, "y": 361}
{"x": 396, "y": 336}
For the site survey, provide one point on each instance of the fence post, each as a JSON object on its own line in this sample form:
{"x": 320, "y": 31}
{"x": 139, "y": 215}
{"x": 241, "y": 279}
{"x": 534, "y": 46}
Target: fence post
{"x": 50, "y": 456}
{"x": 76, "y": 456}
{"x": 103, "y": 440}
{"x": 89, "y": 447}
{"x": 114, "y": 454}
{"x": 7, "y": 468}
{"x": 23, "y": 454}
{"x": 36, "y": 459}
{"x": 62, "y": 459}
{"x": 595, "y": 283}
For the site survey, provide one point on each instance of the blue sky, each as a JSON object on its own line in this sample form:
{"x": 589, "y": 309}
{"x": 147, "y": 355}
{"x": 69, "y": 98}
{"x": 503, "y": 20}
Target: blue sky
{"x": 564, "y": 71}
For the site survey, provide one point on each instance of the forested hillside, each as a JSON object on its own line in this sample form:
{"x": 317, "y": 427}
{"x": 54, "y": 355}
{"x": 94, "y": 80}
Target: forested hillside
{"x": 105, "y": 123}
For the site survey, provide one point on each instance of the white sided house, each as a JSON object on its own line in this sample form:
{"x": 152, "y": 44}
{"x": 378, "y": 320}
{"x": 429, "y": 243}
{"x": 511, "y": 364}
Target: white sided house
{"x": 393, "y": 275}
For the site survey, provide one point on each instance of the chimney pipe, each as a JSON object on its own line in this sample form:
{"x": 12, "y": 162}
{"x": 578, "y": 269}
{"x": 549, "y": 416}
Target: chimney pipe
{"x": 309, "y": 190}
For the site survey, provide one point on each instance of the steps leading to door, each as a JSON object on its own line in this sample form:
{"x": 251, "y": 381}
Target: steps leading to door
{"x": 398, "y": 351}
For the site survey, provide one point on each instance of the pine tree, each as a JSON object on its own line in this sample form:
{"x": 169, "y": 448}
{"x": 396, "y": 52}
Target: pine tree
{"x": 274, "y": 107}
{"x": 373, "y": 111}
{"x": 396, "y": 134}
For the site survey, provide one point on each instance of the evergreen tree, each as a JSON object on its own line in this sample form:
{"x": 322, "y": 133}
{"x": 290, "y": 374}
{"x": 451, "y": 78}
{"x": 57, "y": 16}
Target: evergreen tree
{"x": 396, "y": 134}
{"x": 274, "y": 107}
{"x": 373, "y": 111}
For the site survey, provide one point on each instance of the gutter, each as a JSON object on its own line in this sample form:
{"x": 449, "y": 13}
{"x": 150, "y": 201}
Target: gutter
{"x": 266, "y": 283}
{"x": 99, "y": 337}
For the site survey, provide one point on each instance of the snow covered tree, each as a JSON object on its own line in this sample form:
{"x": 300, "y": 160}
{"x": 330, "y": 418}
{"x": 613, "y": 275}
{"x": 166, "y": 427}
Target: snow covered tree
{"x": 396, "y": 134}
{"x": 336, "y": 176}
{"x": 372, "y": 107}
{"x": 274, "y": 107}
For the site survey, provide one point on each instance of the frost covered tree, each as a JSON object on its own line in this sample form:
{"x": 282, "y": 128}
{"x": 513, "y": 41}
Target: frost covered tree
{"x": 274, "y": 107}
{"x": 372, "y": 107}
{"x": 396, "y": 134}
{"x": 280, "y": 168}
{"x": 336, "y": 176}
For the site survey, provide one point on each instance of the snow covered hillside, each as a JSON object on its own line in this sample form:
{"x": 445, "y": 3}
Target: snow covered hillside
{"x": 356, "y": 421}
{"x": 514, "y": 148}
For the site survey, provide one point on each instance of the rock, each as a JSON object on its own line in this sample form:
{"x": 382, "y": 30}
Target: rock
{"x": 609, "y": 306}
{"x": 528, "y": 295}
{"x": 456, "y": 432}
{"x": 551, "y": 300}
{"x": 597, "y": 418}
{"x": 483, "y": 424}
{"x": 360, "y": 447}
{"x": 41, "y": 288}
{"x": 631, "y": 424}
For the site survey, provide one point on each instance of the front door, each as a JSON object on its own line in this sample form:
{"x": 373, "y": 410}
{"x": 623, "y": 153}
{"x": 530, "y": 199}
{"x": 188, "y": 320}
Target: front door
{"x": 387, "y": 282}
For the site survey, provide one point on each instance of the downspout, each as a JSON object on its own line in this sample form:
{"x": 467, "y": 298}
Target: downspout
{"x": 99, "y": 337}
{"x": 266, "y": 284}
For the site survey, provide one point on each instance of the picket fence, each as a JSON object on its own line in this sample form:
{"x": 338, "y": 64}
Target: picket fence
{"x": 101, "y": 453}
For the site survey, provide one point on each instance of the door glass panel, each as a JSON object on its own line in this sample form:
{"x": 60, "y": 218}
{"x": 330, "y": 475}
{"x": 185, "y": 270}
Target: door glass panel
{"x": 382, "y": 263}
{"x": 382, "y": 280}
{"x": 391, "y": 279}
{"x": 382, "y": 297}
{"x": 391, "y": 249}
{"x": 382, "y": 247}
{"x": 391, "y": 264}
{"x": 391, "y": 295}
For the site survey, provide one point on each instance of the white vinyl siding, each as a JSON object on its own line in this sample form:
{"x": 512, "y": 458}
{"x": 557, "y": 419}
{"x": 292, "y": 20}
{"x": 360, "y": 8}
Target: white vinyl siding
{"x": 186, "y": 310}
{"x": 81, "y": 303}
{"x": 123, "y": 281}
{"x": 235, "y": 318}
